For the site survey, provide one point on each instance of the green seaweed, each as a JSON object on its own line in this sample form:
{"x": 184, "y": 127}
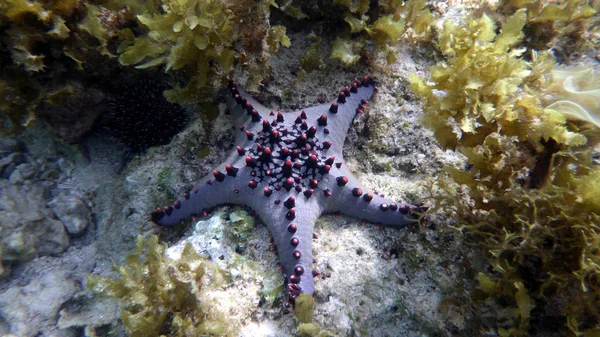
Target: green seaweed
{"x": 199, "y": 37}
{"x": 531, "y": 195}
{"x": 163, "y": 182}
{"x": 392, "y": 21}
{"x": 51, "y": 37}
{"x": 163, "y": 297}
{"x": 304, "y": 308}
{"x": 242, "y": 224}
{"x": 31, "y": 23}
{"x": 569, "y": 25}
{"x": 308, "y": 329}
{"x": 312, "y": 59}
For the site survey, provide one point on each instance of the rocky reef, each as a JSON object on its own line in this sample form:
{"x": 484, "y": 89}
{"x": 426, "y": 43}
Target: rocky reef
{"x": 487, "y": 113}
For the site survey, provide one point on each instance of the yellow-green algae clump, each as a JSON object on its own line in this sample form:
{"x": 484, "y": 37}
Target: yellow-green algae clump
{"x": 531, "y": 194}
{"x": 164, "y": 297}
{"x": 200, "y": 38}
{"x": 393, "y": 20}
{"x": 304, "y": 308}
{"x": 569, "y": 26}
{"x": 52, "y": 37}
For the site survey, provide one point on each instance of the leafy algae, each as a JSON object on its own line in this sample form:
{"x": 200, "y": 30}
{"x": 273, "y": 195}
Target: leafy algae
{"x": 533, "y": 198}
{"x": 163, "y": 297}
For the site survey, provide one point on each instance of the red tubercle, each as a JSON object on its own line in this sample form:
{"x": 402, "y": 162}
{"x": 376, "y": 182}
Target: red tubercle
{"x": 342, "y": 180}
{"x": 294, "y": 242}
{"x": 291, "y": 214}
{"x": 290, "y": 202}
{"x": 333, "y": 108}
{"x": 346, "y": 91}
{"x": 219, "y": 176}
{"x": 288, "y": 183}
{"x": 357, "y": 192}
{"x": 252, "y": 184}
{"x": 267, "y": 192}
{"x": 322, "y": 121}
{"x": 240, "y": 150}
{"x": 231, "y": 170}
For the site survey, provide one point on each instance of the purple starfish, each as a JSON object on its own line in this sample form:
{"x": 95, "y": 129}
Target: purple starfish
{"x": 289, "y": 171}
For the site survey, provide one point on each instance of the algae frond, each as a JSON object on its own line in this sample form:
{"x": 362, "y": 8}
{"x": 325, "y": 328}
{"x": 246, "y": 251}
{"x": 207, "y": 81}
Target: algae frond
{"x": 392, "y": 21}
{"x": 200, "y": 38}
{"x": 164, "y": 297}
{"x": 532, "y": 196}
{"x": 43, "y": 43}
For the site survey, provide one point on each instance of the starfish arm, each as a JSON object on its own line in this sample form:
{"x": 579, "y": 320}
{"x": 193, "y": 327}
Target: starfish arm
{"x": 337, "y": 116}
{"x": 234, "y": 188}
{"x": 215, "y": 189}
{"x": 247, "y": 113}
{"x": 354, "y": 200}
{"x": 292, "y": 232}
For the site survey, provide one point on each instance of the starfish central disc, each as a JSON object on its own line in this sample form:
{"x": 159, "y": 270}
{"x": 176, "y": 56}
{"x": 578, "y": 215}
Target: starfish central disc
{"x": 283, "y": 157}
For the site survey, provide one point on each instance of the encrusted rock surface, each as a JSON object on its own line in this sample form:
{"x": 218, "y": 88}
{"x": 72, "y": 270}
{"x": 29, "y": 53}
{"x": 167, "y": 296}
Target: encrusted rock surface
{"x": 30, "y": 304}
{"x": 43, "y": 269}
{"x": 28, "y": 228}
{"x": 72, "y": 212}
{"x": 71, "y": 114}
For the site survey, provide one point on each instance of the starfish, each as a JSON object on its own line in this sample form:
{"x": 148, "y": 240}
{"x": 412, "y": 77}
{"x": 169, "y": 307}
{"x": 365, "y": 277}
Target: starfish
{"x": 289, "y": 171}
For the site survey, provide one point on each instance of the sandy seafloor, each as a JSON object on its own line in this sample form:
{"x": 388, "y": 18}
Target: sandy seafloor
{"x": 409, "y": 282}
